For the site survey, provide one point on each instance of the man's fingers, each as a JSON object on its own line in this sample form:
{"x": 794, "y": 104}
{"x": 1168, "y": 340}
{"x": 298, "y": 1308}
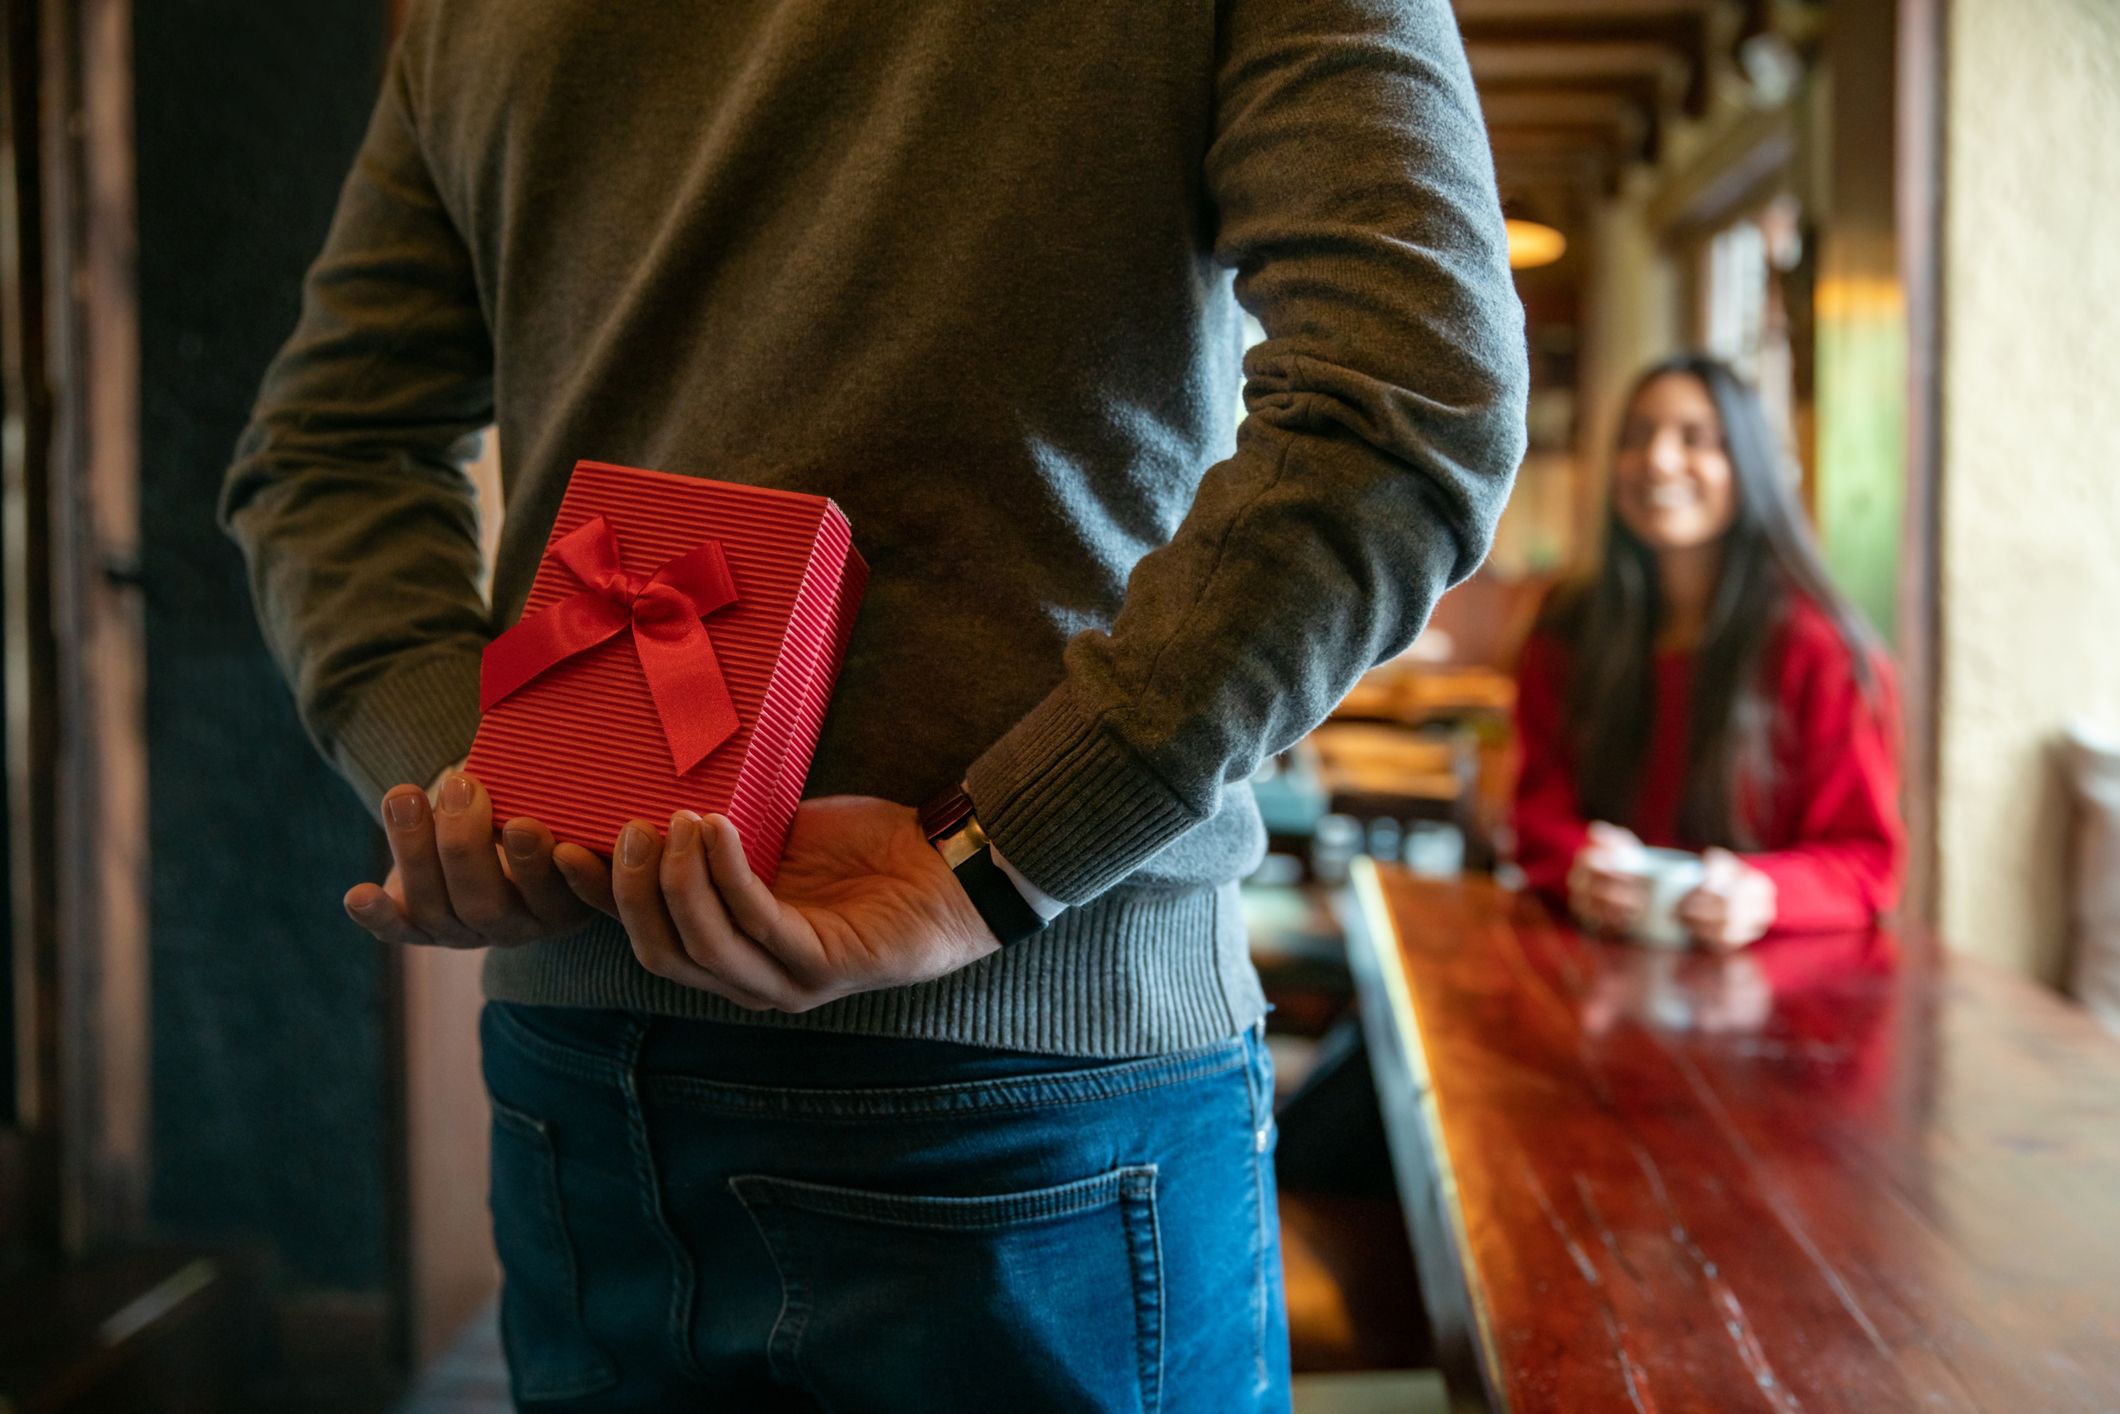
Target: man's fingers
{"x": 751, "y": 904}
{"x": 374, "y": 909}
{"x": 635, "y": 889}
{"x": 409, "y": 826}
{"x": 636, "y": 885}
{"x": 709, "y": 936}
{"x": 527, "y": 847}
{"x": 635, "y": 858}
{"x": 587, "y": 876}
{"x": 449, "y": 885}
{"x": 781, "y": 932}
{"x": 480, "y": 895}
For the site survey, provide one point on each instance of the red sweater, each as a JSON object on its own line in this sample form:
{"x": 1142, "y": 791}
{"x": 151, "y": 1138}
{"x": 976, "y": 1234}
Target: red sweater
{"x": 1833, "y": 841}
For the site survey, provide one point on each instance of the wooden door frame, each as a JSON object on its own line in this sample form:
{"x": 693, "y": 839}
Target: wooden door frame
{"x": 32, "y": 1204}
{"x": 73, "y": 628}
{"x": 1919, "y": 177}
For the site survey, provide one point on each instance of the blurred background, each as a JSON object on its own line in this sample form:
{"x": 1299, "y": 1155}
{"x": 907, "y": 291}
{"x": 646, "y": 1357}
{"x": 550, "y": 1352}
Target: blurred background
{"x": 242, "y": 1147}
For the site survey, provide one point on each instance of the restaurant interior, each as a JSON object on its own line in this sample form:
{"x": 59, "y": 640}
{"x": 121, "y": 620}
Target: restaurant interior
{"x": 1522, "y": 1166}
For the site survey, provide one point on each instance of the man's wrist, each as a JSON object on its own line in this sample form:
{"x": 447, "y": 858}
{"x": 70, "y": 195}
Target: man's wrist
{"x": 1042, "y": 903}
{"x": 1012, "y": 906}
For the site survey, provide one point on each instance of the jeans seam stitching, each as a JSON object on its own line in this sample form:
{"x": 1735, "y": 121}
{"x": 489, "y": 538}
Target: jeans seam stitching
{"x": 1152, "y": 1395}
{"x": 1083, "y": 1195}
{"x": 684, "y": 1280}
{"x": 795, "y": 1299}
{"x": 1261, "y": 1117}
{"x": 605, "y": 1374}
{"x": 689, "y": 1089}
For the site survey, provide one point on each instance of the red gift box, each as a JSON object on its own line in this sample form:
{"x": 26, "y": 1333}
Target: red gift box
{"x": 677, "y": 652}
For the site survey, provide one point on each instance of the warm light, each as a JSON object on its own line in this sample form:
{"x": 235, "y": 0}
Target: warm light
{"x": 1531, "y": 244}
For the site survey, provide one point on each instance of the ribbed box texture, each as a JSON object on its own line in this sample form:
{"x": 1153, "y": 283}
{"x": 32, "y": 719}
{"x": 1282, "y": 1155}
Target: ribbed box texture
{"x": 581, "y": 746}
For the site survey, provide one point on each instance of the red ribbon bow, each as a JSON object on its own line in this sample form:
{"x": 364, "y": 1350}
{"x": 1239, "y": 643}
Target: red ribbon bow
{"x": 664, "y": 611}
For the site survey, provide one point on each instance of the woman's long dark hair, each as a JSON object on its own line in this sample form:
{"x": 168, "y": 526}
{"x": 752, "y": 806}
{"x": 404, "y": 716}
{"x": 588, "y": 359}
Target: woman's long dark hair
{"x": 1611, "y": 623}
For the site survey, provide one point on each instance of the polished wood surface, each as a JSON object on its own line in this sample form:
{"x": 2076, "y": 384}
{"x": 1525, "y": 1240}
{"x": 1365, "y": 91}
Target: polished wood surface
{"x": 1826, "y": 1173}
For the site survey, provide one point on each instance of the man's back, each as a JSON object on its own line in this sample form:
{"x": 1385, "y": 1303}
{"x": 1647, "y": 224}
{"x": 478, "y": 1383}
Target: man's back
{"x": 964, "y": 268}
{"x": 926, "y": 260}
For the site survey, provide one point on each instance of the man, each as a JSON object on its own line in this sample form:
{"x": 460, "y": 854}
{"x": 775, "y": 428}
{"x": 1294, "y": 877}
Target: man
{"x": 965, "y": 268}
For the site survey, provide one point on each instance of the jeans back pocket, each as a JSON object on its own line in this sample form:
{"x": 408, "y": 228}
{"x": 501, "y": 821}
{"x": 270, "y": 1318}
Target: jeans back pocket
{"x": 1050, "y": 1299}
{"x": 551, "y": 1354}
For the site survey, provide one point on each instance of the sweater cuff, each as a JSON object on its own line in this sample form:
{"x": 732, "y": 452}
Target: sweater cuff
{"x": 408, "y": 725}
{"x": 1073, "y": 808}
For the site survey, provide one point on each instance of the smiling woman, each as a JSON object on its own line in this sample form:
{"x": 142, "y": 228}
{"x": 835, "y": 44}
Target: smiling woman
{"x": 1708, "y": 688}
{"x": 1672, "y": 483}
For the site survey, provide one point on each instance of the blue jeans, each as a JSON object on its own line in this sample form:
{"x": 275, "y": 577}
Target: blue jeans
{"x": 696, "y": 1216}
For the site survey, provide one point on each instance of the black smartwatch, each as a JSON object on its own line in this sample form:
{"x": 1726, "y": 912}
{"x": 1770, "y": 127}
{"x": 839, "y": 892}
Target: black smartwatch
{"x": 950, "y": 826}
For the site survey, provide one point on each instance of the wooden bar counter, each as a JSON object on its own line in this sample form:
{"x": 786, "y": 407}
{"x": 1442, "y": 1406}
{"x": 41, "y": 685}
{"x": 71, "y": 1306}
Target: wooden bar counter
{"x": 1825, "y": 1173}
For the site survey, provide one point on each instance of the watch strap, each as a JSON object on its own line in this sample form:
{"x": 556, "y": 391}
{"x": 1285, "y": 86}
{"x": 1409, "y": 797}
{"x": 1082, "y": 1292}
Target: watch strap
{"x": 994, "y": 894}
{"x": 952, "y": 828}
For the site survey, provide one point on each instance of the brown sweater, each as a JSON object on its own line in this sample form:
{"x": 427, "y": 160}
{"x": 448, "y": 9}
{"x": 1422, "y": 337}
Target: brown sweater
{"x": 967, "y": 269}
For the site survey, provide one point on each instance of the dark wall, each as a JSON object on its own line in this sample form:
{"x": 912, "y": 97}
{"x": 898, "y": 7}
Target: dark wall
{"x": 268, "y": 1101}
{"x": 8, "y": 1074}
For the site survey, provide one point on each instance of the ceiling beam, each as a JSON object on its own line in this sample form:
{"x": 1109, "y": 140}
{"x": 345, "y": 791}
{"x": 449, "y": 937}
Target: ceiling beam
{"x": 1679, "y": 26}
{"x": 1573, "y": 64}
{"x": 1582, "y": 15}
{"x": 1530, "y": 156}
{"x": 1616, "y": 122}
{"x": 1575, "y": 11}
{"x": 1601, "y": 109}
{"x": 1555, "y": 189}
{"x": 1728, "y": 176}
{"x": 1543, "y": 140}
{"x": 1684, "y": 27}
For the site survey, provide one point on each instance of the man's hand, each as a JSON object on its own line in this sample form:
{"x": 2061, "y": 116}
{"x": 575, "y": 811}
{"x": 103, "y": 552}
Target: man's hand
{"x": 1605, "y": 886}
{"x": 1734, "y": 905}
{"x": 451, "y": 886}
{"x": 862, "y": 901}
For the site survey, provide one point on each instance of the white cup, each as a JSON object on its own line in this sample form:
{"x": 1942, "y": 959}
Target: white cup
{"x": 1671, "y": 874}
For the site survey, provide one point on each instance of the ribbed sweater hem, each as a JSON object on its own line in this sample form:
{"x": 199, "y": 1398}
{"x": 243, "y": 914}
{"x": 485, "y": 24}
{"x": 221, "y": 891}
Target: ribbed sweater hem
{"x": 1133, "y": 974}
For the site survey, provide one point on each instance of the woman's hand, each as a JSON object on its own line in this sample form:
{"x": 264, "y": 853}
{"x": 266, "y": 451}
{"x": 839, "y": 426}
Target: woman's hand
{"x": 1734, "y": 905}
{"x": 451, "y": 886}
{"x": 862, "y": 901}
{"x": 1605, "y": 887}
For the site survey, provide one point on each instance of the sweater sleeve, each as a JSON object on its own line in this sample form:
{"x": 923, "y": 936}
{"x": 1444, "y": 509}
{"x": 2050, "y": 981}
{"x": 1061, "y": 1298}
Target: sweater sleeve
{"x": 1548, "y": 819}
{"x": 348, "y": 495}
{"x": 1350, "y": 177}
{"x": 1845, "y": 845}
